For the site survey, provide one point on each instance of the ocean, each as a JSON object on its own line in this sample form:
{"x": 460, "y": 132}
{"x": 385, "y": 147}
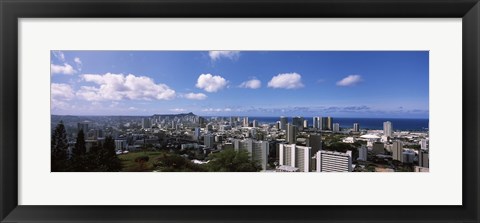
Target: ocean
{"x": 365, "y": 123}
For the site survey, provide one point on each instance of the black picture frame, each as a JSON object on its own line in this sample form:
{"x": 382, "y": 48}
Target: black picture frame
{"x": 12, "y": 10}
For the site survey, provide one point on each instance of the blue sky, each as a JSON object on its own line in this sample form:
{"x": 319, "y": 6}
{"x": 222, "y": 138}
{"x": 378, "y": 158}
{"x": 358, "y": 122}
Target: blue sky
{"x": 387, "y": 84}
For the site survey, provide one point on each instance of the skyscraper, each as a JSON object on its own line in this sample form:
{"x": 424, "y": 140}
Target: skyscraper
{"x": 305, "y": 124}
{"x": 295, "y": 156}
{"x": 387, "y": 129}
{"x": 298, "y": 121}
{"x": 146, "y": 123}
{"x": 316, "y": 122}
{"x": 356, "y": 127}
{"x": 327, "y": 123}
{"x": 255, "y": 123}
{"x": 362, "y": 153}
{"x": 423, "y": 144}
{"x": 397, "y": 151}
{"x": 291, "y": 134}
{"x": 245, "y": 122}
{"x": 283, "y": 123}
{"x": 336, "y": 127}
{"x": 423, "y": 158}
{"x": 258, "y": 150}
{"x": 315, "y": 142}
{"x": 330, "y": 161}
{"x": 208, "y": 141}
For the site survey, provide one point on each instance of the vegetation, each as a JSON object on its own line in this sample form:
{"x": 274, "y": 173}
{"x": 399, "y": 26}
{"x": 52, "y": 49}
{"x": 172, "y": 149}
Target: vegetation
{"x": 230, "y": 160}
{"x": 59, "y": 148}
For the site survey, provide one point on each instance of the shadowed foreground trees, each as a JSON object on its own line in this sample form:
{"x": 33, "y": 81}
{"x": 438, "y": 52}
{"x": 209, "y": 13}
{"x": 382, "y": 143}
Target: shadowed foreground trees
{"x": 100, "y": 158}
{"x": 59, "y": 149}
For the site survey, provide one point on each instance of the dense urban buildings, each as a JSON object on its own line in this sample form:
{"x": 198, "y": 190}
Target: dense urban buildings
{"x": 323, "y": 146}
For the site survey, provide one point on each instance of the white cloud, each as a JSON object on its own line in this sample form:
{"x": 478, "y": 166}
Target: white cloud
{"x": 177, "y": 110}
{"x": 60, "y": 94}
{"x": 59, "y": 55}
{"x": 62, "y": 69}
{"x": 119, "y": 87}
{"x": 211, "y": 83}
{"x": 195, "y": 96}
{"x": 232, "y": 55}
{"x": 253, "y": 84}
{"x": 350, "y": 80}
{"x": 286, "y": 81}
{"x": 78, "y": 62}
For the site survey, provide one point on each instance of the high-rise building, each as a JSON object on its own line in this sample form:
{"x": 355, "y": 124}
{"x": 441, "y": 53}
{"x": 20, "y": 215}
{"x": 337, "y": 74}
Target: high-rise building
{"x": 258, "y": 150}
{"x": 387, "y": 129}
{"x": 120, "y": 144}
{"x": 327, "y": 123}
{"x": 298, "y": 122}
{"x": 208, "y": 141}
{"x": 255, "y": 123}
{"x": 245, "y": 122}
{"x": 295, "y": 156}
{"x": 315, "y": 142}
{"x": 316, "y": 122}
{"x": 362, "y": 153}
{"x": 397, "y": 151}
{"x": 336, "y": 127}
{"x": 378, "y": 148}
{"x": 330, "y": 161}
{"x": 283, "y": 123}
{"x": 423, "y": 159}
{"x": 356, "y": 127}
{"x": 146, "y": 123}
{"x": 291, "y": 134}
{"x": 196, "y": 134}
{"x": 305, "y": 124}
{"x": 423, "y": 144}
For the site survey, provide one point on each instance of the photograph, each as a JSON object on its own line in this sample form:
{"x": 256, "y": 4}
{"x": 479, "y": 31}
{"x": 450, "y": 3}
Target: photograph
{"x": 239, "y": 111}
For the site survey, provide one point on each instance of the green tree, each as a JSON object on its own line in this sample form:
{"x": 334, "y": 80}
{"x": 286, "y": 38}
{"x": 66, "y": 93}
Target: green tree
{"x": 108, "y": 160}
{"x": 230, "y": 160}
{"x": 59, "y": 148}
{"x": 80, "y": 148}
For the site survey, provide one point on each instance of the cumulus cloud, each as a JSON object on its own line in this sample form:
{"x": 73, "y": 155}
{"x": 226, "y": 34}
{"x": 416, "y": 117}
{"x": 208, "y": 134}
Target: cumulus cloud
{"x": 195, "y": 96}
{"x": 59, "y": 55}
{"x": 232, "y": 55}
{"x": 350, "y": 80}
{"x": 252, "y": 84}
{"x": 119, "y": 87}
{"x": 62, "y": 69}
{"x": 60, "y": 94}
{"x": 286, "y": 81}
{"x": 78, "y": 62}
{"x": 211, "y": 83}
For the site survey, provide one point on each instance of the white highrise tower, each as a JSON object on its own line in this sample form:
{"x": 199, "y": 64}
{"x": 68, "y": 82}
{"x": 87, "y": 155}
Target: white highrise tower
{"x": 387, "y": 129}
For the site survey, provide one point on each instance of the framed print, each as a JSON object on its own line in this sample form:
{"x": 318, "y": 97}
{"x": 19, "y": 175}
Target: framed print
{"x": 203, "y": 111}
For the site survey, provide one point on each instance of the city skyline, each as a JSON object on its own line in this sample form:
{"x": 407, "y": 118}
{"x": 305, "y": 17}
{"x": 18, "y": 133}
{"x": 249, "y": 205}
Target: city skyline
{"x": 363, "y": 84}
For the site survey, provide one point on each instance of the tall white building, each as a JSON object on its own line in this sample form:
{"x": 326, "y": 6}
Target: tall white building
{"x": 387, "y": 129}
{"x": 356, "y": 127}
{"x": 245, "y": 122}
{"x": 295, "y": 156}
{"x": 305, "y": 124}
{"x": 362, "y": 153}
{"x": 397, "y": 151}
{"x": 330, "y": 161}
{"x": 258, "y": 150}
{"x": 423, "y": 144}
{"x": 336, "y": 127}
{"x": 255, "y": 123}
